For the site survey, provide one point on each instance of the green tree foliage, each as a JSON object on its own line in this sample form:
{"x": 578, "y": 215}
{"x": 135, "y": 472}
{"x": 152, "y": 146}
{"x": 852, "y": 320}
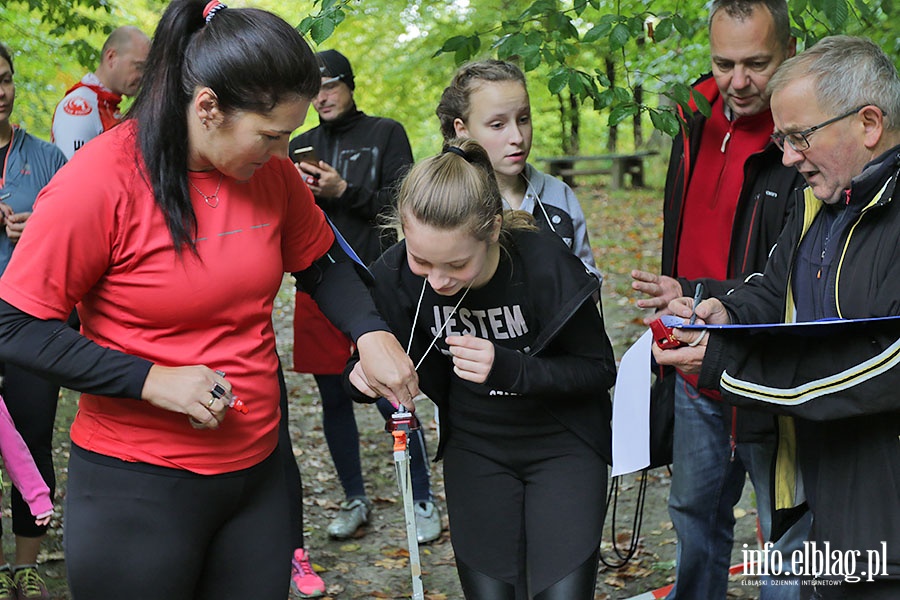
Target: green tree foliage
{"x": 55, "y": 42}
{"x": 393, "y": 47}
{"x": 590, "y": 55}
{"x": 655, "y": 46}
{"x": 568, "y": 36}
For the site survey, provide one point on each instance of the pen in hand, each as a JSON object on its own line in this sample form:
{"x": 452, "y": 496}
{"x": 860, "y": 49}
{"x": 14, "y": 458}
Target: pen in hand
{"x": 232, "y": 402}
{"x": 698, "y": 295}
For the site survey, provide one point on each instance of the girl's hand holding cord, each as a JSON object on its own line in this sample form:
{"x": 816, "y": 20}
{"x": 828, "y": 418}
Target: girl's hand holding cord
{"x": 473, "y": 357}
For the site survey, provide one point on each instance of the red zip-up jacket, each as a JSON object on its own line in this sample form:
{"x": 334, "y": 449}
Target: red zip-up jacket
{"x": 762, "y": 210}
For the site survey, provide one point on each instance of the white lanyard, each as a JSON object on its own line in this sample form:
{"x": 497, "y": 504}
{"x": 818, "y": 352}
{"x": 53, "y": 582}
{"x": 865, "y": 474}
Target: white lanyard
{"x": 440, "y": 331}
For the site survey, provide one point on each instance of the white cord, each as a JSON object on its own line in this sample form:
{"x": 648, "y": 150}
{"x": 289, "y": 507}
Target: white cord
{"x": 440, "y": 331}
{"x": 537, "y": 200}
{"x": 699, "y": 339}
{"x": 416, "y": 316}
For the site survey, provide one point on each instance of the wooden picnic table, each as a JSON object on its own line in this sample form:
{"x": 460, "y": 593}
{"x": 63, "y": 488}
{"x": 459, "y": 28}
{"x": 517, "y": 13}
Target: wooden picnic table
{"x": 617, "y": 165}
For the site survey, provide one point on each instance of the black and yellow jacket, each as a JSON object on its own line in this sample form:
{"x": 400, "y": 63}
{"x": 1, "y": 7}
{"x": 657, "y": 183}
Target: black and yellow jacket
{"x": 837, "y": 395}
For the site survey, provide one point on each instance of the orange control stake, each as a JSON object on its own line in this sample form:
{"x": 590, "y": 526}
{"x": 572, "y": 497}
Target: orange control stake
{"x": 399, "y": 440}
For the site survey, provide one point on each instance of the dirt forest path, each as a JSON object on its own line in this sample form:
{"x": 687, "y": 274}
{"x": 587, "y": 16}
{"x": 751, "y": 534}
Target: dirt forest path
{"x": 624, "y": 232}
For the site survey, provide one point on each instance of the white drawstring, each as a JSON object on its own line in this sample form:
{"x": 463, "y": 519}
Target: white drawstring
{"x": 537, "y": 200}
{"x": 440, "y": 331}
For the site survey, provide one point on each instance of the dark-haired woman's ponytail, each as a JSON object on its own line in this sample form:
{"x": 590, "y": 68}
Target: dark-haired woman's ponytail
{"x": 160, "y": 111}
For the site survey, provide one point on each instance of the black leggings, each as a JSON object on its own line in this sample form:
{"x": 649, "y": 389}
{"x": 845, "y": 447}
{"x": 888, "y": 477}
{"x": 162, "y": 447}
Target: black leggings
{"x": 293, "y": 481}
{"x": 579, "y": 583}
{"x": 32, "y": 405}
{"x": 526, "y": 515}
{"x": 143, "y": 532}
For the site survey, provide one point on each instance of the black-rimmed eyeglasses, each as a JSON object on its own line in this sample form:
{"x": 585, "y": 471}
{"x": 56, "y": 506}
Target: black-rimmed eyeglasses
{"x": 799, "y": 140}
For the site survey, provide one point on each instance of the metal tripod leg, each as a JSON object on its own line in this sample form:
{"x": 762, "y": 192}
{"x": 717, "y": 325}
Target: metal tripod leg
{"x": 401, "y": 463}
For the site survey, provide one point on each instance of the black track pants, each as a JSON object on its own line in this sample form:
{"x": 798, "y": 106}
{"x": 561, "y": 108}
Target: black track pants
{"x": 550, "y": 491}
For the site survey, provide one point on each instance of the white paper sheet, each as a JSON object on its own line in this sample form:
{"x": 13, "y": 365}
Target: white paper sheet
{"x": 631, "y": 409}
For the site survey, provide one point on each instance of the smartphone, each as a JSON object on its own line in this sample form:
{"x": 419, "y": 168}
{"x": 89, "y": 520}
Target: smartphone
{"x": 306, "y": 154}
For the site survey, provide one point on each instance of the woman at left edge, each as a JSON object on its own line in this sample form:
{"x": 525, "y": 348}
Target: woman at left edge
{"x": 188, "y": 214}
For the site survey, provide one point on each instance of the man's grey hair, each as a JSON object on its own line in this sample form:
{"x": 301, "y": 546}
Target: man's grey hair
{"x": 848, "y": 72}
{"x": 742, "y": 9}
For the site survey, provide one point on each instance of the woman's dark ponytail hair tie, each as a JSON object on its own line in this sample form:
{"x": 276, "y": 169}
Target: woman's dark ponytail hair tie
{"x": 211, "y": 9}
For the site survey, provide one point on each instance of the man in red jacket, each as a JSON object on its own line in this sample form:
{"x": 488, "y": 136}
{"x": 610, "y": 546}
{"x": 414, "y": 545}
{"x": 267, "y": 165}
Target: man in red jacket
{"x": 726, "y": 201}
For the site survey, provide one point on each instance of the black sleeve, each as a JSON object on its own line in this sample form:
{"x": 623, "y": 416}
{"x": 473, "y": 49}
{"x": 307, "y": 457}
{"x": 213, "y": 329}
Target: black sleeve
{"x": 60, "y": 354}
{"x": 762, "y": 298}
{"x": 334, "y": 282}
{"x": 580, "y": 360}
{"x": 817, "y": 377}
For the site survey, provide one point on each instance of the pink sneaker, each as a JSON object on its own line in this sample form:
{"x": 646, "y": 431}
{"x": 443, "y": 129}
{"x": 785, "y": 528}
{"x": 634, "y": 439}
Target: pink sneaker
{"x": 305, "y": 583}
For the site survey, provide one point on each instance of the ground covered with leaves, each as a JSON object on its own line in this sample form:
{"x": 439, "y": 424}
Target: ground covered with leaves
{"x": 625, "y": 231}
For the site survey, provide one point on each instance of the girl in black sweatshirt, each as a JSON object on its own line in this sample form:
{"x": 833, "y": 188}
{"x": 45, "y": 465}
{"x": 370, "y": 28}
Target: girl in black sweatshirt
{"x": 500, "y": 319}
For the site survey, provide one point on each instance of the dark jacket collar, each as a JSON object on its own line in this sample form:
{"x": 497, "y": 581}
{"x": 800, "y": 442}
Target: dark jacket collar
{"x": 865, "y": 185}
{"x": 343, "y": 123}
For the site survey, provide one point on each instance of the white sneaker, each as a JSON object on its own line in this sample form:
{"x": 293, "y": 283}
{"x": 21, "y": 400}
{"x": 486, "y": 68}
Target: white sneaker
{"x": 354, "y": 514}
{"x": 428, "y": 522}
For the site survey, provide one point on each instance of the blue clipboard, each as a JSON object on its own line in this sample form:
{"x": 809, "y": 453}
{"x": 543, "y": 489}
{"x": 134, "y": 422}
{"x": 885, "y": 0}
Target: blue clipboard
{"x": 806, "y": 328}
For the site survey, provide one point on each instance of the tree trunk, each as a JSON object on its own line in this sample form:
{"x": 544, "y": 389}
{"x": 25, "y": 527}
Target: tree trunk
{"x": 573, "y": 142}
{"x": 613, "y": 139}
{"x": 638, "y": 132}
{"x": 570, "y": 123}
{"x": 639, "y": 100}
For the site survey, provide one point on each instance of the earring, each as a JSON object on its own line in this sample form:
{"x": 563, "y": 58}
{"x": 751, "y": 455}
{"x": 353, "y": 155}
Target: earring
{"x": 203, "y": 122}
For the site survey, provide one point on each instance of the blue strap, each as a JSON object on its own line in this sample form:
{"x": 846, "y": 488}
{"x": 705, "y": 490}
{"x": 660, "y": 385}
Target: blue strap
{"x": 346, "y": 247}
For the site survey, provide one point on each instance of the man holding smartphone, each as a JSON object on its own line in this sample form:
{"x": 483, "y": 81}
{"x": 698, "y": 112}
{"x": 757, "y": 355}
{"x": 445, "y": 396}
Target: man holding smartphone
{"x": 360, "y": 159}
{"x": 352, "y": 162}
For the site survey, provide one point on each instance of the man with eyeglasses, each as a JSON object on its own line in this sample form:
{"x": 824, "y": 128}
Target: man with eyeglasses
{"x": 835, "y": 109}
{"x": 726, "y": 201}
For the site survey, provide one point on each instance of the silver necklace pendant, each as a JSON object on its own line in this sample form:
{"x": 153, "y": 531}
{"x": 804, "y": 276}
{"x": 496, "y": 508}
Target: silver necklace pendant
{"x": 211, "y": 201}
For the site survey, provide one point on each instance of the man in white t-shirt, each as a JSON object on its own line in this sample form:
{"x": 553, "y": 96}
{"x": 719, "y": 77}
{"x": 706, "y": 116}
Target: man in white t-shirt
{"x": 91, "y": 106}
